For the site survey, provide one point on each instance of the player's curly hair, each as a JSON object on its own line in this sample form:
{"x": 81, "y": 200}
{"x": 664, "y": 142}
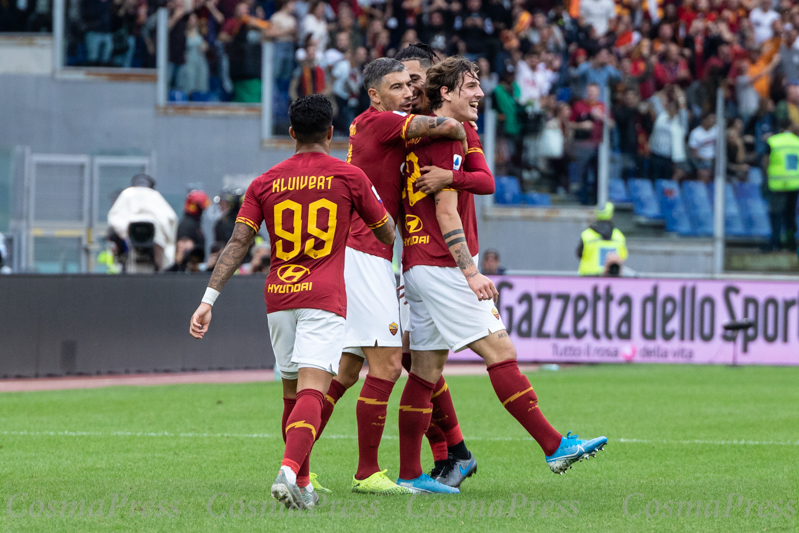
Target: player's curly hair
{"x": 449, "y": 73}
{"x": 421, "y": 52}
{"x": 311, "y": 117}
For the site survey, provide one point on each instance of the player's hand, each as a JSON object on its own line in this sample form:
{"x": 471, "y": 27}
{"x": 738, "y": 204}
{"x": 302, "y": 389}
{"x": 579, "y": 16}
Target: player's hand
{"x": 401, "y": 293}
{"x": 482, "y": 287}
{"x": 433, "y": 179}
{"x": 200, "y": 321}
{"x": 474, "y": 124}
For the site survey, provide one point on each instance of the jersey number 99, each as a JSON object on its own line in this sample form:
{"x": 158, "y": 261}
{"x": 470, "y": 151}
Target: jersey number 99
{"x": 295, "y": 234}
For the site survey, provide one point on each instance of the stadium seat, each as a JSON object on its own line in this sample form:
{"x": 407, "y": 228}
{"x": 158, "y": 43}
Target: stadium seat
{"x": 645, "y": 203}
{"x": 207, "y": 96}
{"x": 178, "y": 96}
{"x": 754, "y": 210}
{"x": 617, "y": 191}
{"x": 508, "y": 191}
{"x": 700, "y": 210}
{"x": 673, "y": 208}
{"x": 574, "y": 173}
{"x": 537, "y": 199}
{"x": 733, "y": 221}
{"x": 755, "y": 175}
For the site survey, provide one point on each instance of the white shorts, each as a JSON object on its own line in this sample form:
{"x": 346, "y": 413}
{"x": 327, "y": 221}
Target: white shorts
{"x": 445, "y": 313}
{"x": 306, "y": 338}
{"x": 372, "y": 305}
{"x": 405, "y": 309}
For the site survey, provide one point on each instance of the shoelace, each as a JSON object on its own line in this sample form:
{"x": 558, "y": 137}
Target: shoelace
{"x": 437, "y": 471}
{"x": 570, "y": 436}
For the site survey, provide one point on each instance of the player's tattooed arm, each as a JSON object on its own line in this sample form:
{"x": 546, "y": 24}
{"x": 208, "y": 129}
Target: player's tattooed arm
{"x": 422, "y": 126}
{"x": 232, "y": 256}
{"x": 385, "y": 233}
{"x": 452, "y": 230}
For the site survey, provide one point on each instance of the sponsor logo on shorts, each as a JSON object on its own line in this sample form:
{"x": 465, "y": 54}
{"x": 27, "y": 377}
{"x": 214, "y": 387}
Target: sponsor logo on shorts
{"x": 393, "y": 328}
{"x": 292, "y": 273}
{"x": 413, "y": 223}
{"x": 495, "y": 313}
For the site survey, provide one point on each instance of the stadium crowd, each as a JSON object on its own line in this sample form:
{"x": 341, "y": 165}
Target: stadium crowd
{"x": 556, "y": 70}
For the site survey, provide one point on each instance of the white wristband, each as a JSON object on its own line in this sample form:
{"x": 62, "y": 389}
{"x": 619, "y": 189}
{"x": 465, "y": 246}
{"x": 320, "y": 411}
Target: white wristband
{"x": 210, "y": 296}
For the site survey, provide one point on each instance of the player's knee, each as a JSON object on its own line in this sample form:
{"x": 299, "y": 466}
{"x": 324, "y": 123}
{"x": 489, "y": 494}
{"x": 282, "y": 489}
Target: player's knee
{"x": 348, "y": 377}
{"x": 389, "y": 369}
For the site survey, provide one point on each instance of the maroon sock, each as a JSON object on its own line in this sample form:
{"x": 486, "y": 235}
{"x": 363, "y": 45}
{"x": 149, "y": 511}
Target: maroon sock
{"x": 371, "y": 415}
{"x": 302, "y": 427}
{"x": 406, "y": 361}
{"x": 303, "y": 474}
{"x": 414, "y": 419}
{"x": 288, "y": 405}
{"x": 517, "y": 396}
{"x": 438, "y": 442}
{"x": 444, "y": 413}
{"x": 334, "y": 393}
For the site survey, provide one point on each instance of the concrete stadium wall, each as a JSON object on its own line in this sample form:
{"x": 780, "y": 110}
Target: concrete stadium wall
{"x": 60, "y": 325}
{"x": 120, "y": 118}
{"x": 545, "y": 240}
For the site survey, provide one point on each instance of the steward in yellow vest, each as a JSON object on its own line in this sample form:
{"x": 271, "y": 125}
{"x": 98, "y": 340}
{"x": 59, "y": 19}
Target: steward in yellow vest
{"x": 781, "y": 167}
{"x": 598, "y": 242}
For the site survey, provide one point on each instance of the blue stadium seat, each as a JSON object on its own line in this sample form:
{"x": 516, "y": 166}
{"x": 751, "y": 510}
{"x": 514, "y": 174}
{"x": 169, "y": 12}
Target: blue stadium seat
{"x": 754, "y": 210}
{"x": 645, "y": 203}
{"x": 733, "y": 221}
{"x": 207, "y": 96}
{"x": 673, "y": 208}
{"x": 574, "y": 173}
{"x": 755, "y": 175}
{"x": 700, "y": 210}
{"x": 178, "y": 96}
{"x": 508, "y": 191}
{"x": 537, "y": 199}
{"x": 617, "y": 191}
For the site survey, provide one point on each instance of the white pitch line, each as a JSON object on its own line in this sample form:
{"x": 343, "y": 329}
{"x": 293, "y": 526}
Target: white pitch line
{"x": 389, "y": 437}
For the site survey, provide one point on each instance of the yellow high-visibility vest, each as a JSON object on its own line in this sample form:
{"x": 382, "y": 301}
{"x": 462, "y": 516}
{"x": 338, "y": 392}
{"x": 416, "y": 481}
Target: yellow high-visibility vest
{"x": 596, "y": 251}
{"x": 783, "y": 162}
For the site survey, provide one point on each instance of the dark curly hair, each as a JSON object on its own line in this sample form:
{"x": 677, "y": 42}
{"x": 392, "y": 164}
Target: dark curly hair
{"x": 423, "y": 53}
{"x": 311, "y": 117}
{"x": 449, "y": 73}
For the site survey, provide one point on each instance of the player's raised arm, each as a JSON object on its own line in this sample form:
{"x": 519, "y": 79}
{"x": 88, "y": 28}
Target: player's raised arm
{"x": 475, "y": 177}
{"x": 226, "y": 266}
{"x": 452, "y": 230}
{"x": 420, "y": 126}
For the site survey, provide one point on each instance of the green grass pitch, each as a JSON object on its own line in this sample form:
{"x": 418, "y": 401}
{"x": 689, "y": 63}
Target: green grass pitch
{"x": 160, "y": 454}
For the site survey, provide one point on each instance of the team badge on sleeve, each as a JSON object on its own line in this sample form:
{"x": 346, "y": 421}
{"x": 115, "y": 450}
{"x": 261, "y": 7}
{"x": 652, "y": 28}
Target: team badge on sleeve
{"x": 393, "y": 328}
{"x": 377, "y": 195}
{"x": 457, "y": 160}
{"x": 401, "y": 113}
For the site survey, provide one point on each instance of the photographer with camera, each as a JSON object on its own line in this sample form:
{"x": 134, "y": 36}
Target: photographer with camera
{"x": 602, "y": 248}
{"x": 142, "y": 204}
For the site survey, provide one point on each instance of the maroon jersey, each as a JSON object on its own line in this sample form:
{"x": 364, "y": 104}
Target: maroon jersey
{"x": 422, "y": 241}
{"x": 377, "y": 146}
{"x": 307, "y": 203}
